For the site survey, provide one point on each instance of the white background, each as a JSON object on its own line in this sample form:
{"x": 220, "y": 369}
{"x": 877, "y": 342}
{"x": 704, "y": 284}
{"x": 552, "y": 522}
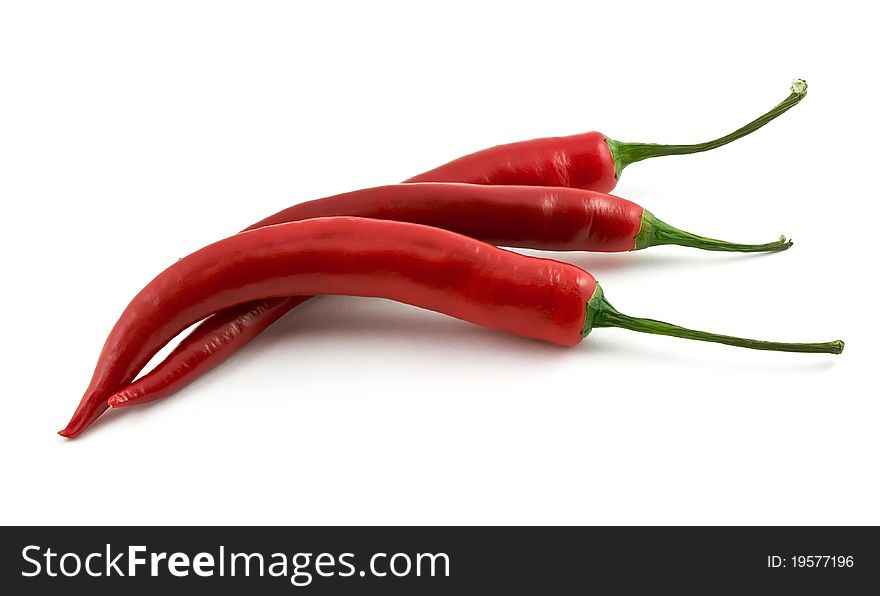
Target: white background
{"x": 134, "y": 133}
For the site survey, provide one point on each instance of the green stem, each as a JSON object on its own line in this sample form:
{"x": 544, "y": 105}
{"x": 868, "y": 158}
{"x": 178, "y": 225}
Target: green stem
{"x": 627, "y": 153}
{"x": 600, "y": 313}
{"x": 655, "y": 232}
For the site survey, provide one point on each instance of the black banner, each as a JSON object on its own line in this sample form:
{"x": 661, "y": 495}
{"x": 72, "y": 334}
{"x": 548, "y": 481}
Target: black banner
{"x": 415, "y": 560}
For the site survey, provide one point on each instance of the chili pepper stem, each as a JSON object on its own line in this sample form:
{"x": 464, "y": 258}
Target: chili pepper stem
{"x": 655, "y": 232}
{"x": 628, "y": 153}
{"x": 600, "y": 313}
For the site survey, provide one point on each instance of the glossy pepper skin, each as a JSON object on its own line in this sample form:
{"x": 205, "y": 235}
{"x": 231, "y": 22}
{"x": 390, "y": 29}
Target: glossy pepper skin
{"x": 418, "y": 265}
{"x": 522, "y": 216}
{"x": 579, "y": 161}
{"x": 544, "y": 218}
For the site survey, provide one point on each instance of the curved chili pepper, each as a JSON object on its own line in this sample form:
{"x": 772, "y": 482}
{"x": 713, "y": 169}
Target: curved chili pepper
{"x": 522, "y": 216}
{"x": 537, "y": 217}
{"x": 588, "y": 160}
{"x": 414, "y": 264}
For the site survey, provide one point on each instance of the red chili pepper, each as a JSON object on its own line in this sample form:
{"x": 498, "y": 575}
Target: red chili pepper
{"x": 418, "y": 265}
{"x": 523, "y": 216}
{"x": 589, "y": 160}
{"x": 537, "y": 217}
